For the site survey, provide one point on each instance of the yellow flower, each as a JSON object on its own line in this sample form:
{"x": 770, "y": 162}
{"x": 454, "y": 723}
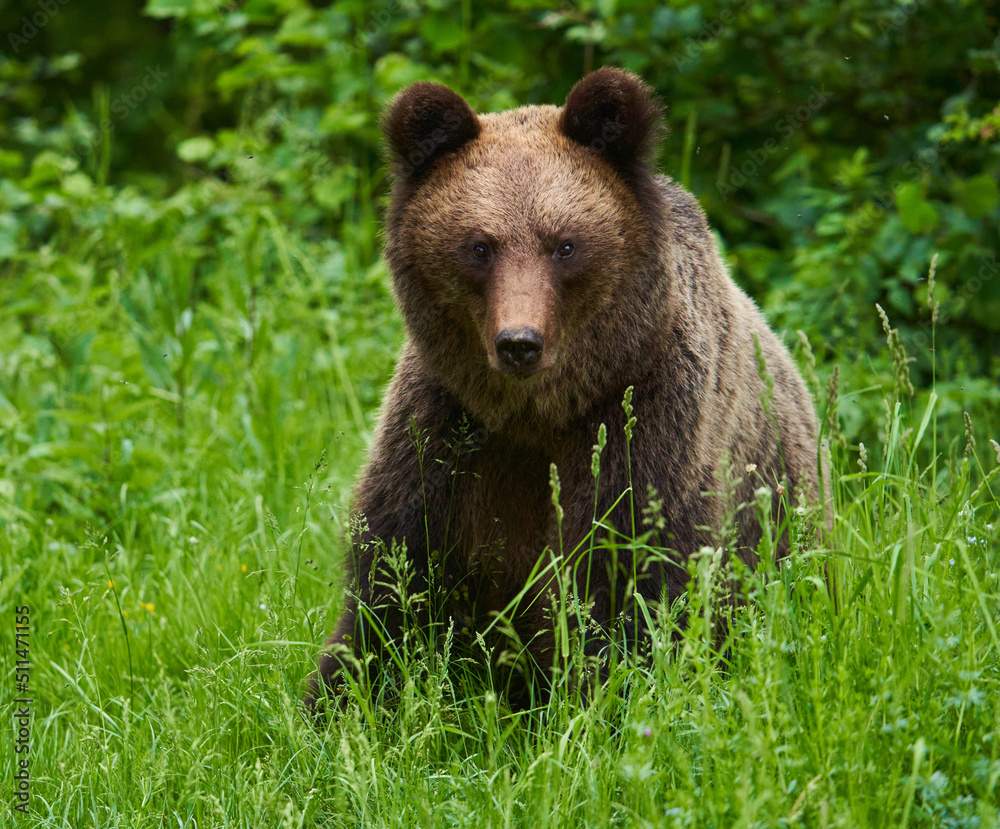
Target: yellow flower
{"x": 243, "y": 568}
{"x": 111, "y": 583}
{"x": 148, "y": 606}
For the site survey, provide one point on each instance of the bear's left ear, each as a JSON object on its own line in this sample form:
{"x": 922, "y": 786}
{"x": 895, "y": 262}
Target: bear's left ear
{"x": 615, "y": 113}
{"x": 424, "y": 122}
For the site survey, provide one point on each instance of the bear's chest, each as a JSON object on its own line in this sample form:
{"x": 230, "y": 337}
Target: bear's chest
{"x": 502, "y": 520}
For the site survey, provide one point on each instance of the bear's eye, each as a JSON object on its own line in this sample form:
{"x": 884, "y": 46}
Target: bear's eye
{"x": 565, "y": 250}
{"x": 480, "y": 251}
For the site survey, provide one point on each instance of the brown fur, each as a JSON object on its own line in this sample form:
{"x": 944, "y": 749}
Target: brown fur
{"x": 643, "y": 301}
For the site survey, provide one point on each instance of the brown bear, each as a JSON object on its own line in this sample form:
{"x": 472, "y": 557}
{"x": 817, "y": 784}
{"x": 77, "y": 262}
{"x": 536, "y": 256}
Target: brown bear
{"x": 542, "y": 268}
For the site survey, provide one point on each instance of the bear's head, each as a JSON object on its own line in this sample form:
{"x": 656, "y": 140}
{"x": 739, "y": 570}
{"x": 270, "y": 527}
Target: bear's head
{"x": 511, "y": 233}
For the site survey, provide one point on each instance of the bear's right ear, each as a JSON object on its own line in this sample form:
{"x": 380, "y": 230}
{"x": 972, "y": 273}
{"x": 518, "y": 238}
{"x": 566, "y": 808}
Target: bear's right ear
{"x": 616, "y": 114}
{"x": 424, "y": 122}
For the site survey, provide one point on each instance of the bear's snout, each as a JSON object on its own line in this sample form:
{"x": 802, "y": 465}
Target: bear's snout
{"x": 519, "y": 350}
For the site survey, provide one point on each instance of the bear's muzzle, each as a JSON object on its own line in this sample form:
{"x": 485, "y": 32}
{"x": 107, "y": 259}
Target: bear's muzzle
{"x": 519, "y": 351}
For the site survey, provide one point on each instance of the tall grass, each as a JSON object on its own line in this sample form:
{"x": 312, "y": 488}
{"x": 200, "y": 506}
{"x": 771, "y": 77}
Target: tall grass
{"x": 178, "y": 444}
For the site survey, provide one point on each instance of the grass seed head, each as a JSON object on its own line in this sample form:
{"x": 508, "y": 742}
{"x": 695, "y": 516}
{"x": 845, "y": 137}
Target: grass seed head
{"x": 808, "y": 360}
{"x": 931, "y": 285}
{"x": 900, "y": 362}
{"x": 970, "y": 440}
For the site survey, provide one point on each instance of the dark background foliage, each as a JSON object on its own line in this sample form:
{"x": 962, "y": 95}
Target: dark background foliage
{"x": 150, "y": 148}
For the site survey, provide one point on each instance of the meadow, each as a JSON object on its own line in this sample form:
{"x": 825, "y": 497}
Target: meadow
{"x": 196, "y": 328}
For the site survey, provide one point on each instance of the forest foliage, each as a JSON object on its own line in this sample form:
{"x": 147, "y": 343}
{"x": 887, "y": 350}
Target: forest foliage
{"x": 835, "y": 146}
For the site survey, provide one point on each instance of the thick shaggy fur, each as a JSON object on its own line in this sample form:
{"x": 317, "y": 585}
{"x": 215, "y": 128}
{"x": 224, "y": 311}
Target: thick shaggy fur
{"x": 644, "y": 300}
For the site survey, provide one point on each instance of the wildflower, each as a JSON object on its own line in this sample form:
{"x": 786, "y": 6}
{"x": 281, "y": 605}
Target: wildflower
{"x": 780, "y": 489}
{"x": 751, "y": 468}
{"x": 111, "y": 583}
{"x": 647, "y": 732}
{"x": 243, "y": 568}
{"x": 148, "y": 605}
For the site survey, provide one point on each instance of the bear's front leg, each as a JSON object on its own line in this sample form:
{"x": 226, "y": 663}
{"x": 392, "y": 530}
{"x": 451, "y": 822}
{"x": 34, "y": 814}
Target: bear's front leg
{"x": 399, "y": 525}
{"x": 603, "y": 516}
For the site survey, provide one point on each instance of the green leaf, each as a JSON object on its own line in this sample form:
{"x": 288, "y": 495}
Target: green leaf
{"x": 443, "y": 33}
{"x": 978, "y": 196}
{"x": 342, "y": 120}
{"x": 195, "y": 149}
{"x": 8, "y": 235}
{"x": 11, "y": 161}
{"x": 49, "y": 167}
{"x": 169, "y": 8}
{"x": 154, "y": 363}
{"x": 335, "y": 190}
{"x": 393, "y": 71}
{"x": 77, "y": 185}
{"x": 916, "y": 213}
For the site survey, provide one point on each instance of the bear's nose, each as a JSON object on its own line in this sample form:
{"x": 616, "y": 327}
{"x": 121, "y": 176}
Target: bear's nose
{"x": 519, "y": 348}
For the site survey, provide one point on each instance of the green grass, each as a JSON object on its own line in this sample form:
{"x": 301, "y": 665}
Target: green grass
{"x": 177, "y": 445}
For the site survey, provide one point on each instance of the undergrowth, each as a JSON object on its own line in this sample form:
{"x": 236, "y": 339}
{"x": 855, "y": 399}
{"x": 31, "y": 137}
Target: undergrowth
{"x": 171, "y": 520}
